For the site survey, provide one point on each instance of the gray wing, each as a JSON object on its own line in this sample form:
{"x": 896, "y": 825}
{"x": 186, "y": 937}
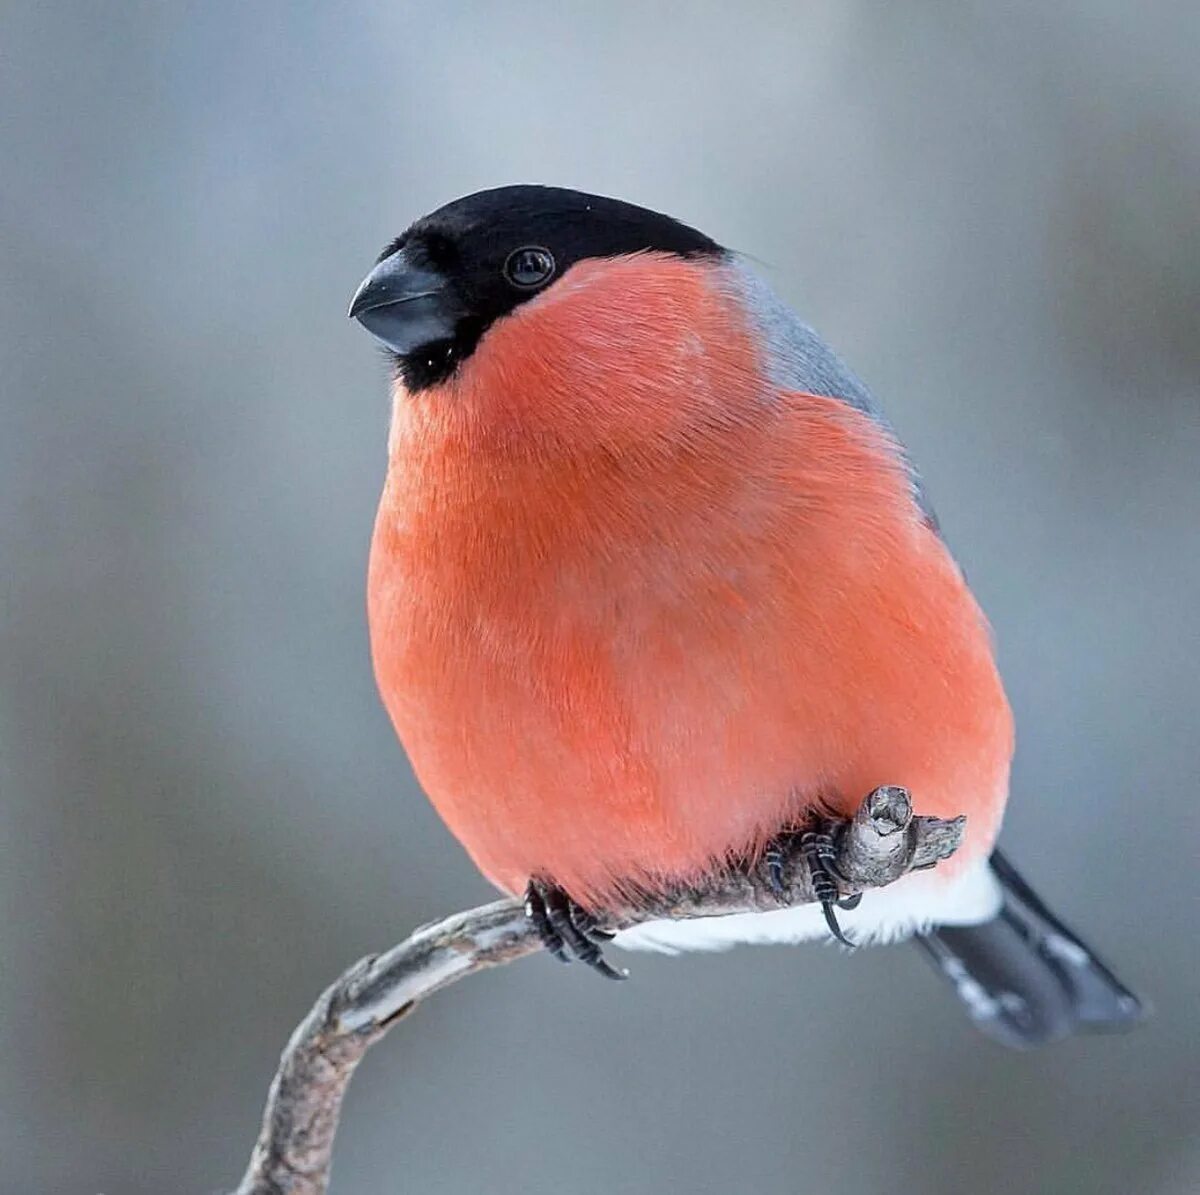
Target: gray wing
{"x": 798, "y": 359}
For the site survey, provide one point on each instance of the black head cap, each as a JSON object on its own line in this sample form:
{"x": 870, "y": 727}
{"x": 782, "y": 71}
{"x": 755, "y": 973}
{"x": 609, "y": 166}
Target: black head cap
{"x": 437, "y": 288}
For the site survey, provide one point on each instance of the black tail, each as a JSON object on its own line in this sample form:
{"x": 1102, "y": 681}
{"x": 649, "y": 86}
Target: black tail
{"x": 1024, "y": 977}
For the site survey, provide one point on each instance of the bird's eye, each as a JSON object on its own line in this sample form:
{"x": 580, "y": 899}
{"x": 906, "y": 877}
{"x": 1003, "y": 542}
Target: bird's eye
{"x": 529, "y": 267}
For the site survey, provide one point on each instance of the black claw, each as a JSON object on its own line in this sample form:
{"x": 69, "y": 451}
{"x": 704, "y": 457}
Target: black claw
{"x": 585, "y": 923}
{"x": 773, "y": 857}
{"x": 819, "y": 855}
{"x": 535, "y": 910}
{"x": 566, "y": 929}
{"x": 828, "y": 908}
{"x": 559, "y": 915}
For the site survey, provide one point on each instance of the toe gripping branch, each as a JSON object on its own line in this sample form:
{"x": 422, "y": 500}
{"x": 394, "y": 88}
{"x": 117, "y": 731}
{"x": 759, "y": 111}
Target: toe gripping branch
{"x": 818, "y": 855}
{"x": 567, "y": 930}
{"x": 830, "y": 862}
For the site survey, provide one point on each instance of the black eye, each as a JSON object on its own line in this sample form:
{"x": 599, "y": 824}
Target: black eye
{"x": 529, "y": 267}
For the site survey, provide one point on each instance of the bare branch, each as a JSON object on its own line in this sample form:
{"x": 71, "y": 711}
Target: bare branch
{"x": 292, "y": 1156}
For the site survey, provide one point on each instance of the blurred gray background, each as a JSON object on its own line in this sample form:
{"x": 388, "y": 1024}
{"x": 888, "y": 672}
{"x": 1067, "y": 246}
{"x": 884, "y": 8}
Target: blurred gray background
{"x": 991, "y": 209}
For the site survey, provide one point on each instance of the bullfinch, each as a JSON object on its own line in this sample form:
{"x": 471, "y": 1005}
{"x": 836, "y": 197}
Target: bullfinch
{"x": 653, "y": 583}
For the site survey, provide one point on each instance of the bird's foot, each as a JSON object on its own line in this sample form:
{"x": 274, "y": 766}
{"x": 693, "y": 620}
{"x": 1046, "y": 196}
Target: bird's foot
{"x": 567, "y": 930}
{"x": 818, "y": 855}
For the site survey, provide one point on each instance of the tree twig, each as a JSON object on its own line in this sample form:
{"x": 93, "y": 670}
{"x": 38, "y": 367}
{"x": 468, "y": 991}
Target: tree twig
{"x": 292, "y": 1155}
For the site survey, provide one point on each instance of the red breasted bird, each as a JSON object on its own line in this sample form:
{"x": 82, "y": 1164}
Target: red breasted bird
{"x": 653, "y": 583}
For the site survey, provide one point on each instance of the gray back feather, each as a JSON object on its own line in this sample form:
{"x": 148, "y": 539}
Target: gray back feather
{"x": 798, "y": 359}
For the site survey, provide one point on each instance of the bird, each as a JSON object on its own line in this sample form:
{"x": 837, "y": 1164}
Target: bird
{"x": 654, "y": 585}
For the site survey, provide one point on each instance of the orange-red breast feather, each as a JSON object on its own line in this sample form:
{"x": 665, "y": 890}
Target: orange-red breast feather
{"x": 635, "y": 608}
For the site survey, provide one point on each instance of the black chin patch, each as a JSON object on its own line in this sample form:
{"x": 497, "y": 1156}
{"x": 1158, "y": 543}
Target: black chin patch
{"x": 432, "y": 364}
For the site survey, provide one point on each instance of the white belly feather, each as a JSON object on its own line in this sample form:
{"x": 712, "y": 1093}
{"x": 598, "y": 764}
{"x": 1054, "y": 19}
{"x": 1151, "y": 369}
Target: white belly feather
{"x": 915, "y": 902}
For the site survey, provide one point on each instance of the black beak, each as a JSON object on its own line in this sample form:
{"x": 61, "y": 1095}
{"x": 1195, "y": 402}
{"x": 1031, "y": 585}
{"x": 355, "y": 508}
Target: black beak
{"x": 405, "y": 306}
